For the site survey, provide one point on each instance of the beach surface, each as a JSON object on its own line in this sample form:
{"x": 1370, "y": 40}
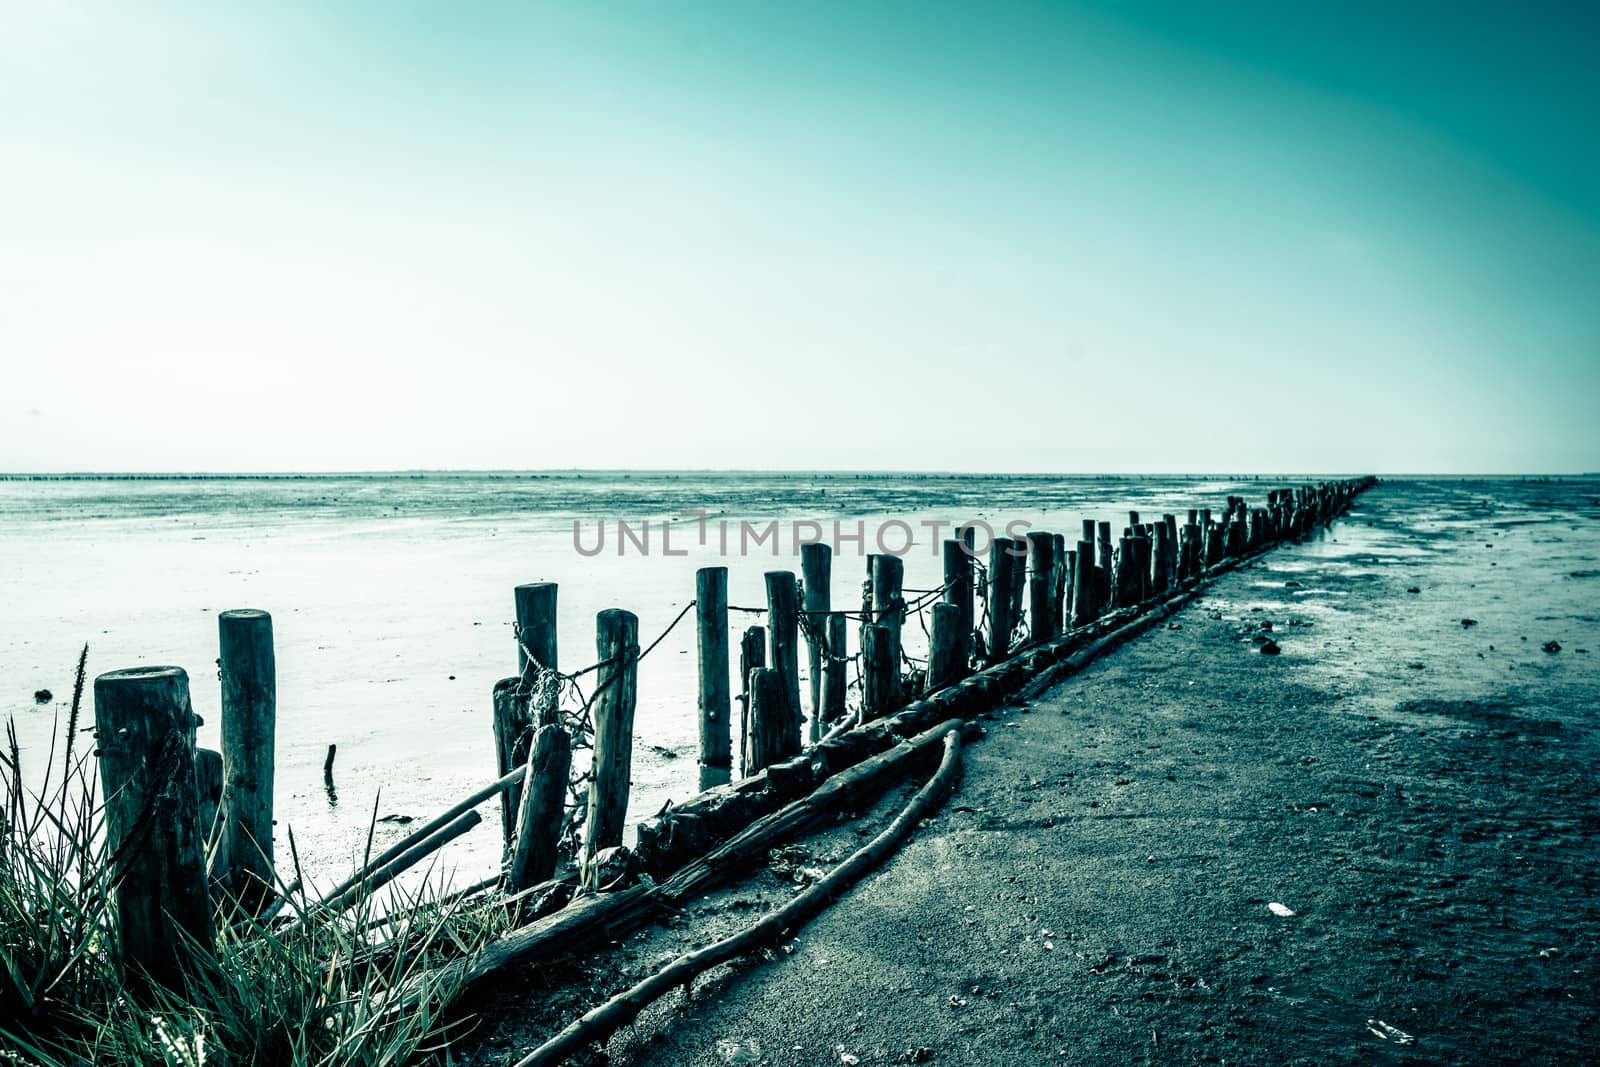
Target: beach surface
{"x": 1381, "y": 845}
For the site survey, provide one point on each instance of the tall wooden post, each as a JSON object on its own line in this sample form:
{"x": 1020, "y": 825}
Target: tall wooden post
{"x": 752, "y": 656}
{"x": 1069, "y": 575}
{"x": 880, "y": 667}
{"x": 1060, "y": 583}
{"x": 616, "y": 692}
{"x": 1159, "y": 583}
{"x": 513, "y": 733}
{"x": 887, "y": 574}
{"x": 1001, "y": 621}
{"x": 1041, "y": 586}
{"x": 1127, "y": 573}
{"x": 1189, "y": 552}
{"x": 249, "y": 672}
{"x": 947, "y": 661}
{"x": 1107, "y": 576}
{"x": 816, "y": 576}
{"x": 834, "y": 682}
{"x": 716, "y": 707}
{"x": 1084, "y": 608}
{"x": 958, "y": 589}
{"x": 783, "y": 633}
{"x": 144, "y": 726}
{"x": 536, "y": 627}
{"x": 774, "y": 728}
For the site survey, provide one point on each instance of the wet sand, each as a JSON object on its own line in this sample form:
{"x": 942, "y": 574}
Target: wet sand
{"x": 1421, "y": 795}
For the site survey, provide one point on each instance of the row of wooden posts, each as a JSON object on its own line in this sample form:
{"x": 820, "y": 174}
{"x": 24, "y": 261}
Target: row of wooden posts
{"x": 187, "y": 825}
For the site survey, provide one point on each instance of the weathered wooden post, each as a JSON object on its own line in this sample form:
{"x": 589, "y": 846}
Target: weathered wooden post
{"x": 816, "y": 576}
{"x": 1127, "y": 573}
{"x": 716, "y": 707}
{"x": 208, "y": 782}
{"x": 958, "y": 588}
{"x": 887, "y": 574}
{"x": 1069, "y": 576}
{"x": 771, "y": 721}
{"x": 1158, "y": 560}
{"x": 536, "y": 628}
{"x": 144, "y": 726}
{"x": 880, "y": 684}
{"x": 616, "y": 692}
{"x": 513, "y": 732}
{"x": 1189, "y": 553}
{"x": 1084, "y": 609}
{"x": 1107, "y": 575}
{"x": 834, "y": 682}
{"x": 1059, "y": 582}
{"x": 539, "y": 818}
{"x": 999, "y": 598}
{"x": 1171, "y": 523}
{"x": 1041, "y": 586}
{"x": 752, "y": 656}
{"x": 249, "y": 674}
{"x": 947, "y": 658}
{"x": 783, "y": 633}
{"x": 1214, "y": 552}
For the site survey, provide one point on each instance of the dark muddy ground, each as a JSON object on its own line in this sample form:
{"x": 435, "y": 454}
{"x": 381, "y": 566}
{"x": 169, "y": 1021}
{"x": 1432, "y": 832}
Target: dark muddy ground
{"x": 1381, "y": 845}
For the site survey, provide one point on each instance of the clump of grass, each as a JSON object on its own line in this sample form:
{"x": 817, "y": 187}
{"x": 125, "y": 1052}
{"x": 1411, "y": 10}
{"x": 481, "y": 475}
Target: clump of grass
{"x": 55, "y": 892}
{"x": 308, "y": 989}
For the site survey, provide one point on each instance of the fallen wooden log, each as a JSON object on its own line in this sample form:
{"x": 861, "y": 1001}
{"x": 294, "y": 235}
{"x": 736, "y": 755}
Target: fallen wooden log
{"x": 619, "y": 1011}
{"x": 590, "y": 920}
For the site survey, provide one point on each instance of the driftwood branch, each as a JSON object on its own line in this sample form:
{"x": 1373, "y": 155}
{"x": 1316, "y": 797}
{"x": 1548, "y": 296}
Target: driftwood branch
{"x": 597, "y": 918}
{"x": 619, "y": 1011}
{"x": 429, "y": 828}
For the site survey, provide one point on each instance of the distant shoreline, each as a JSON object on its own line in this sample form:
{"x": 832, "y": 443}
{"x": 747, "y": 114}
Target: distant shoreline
{"x": 579, "y": 472}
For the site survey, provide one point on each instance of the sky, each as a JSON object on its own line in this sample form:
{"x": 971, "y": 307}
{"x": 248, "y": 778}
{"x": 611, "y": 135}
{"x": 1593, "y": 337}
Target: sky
{"x": 1006, "y": 236}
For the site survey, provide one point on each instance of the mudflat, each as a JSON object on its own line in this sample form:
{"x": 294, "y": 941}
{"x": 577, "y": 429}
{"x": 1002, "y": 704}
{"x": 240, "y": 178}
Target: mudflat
{"x": 1381, "y": 844}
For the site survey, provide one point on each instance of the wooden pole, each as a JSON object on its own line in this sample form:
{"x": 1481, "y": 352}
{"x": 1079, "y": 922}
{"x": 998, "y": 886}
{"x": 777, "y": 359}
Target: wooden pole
{"x": 249, "y": 674}
{"x": 716, "y": 708}
{"x": 1189, "y": 552}
{"x": 947, "y": 659}
{"x": 783, "y": 635}
{"x": 958, "y": 588}
{"x": 544, "y": 797}
{"x": 774, "y": 728}
{"x": 513, "y": 732}
{"x": 616, "y": 692}
{"x": 1128, "y": 587}
{"x": 536, "y": 627}
{"x": 1106, "y": 576}
{"x": 880, "y": 683}
{"x": 1084, "y": 609}
{"x": 816, "y": 577}
{"x": 1019, "y": 578}
{"x": 1001, "y": 620}
{"x": 535, "y": 605}
{"x": 834, "y": 682}
{"x": 888, "y": 610}
{"x": 1041, "y": 586}
{"x": 208, "y": 783}
{"x": 144, "y": 726}
{"x": 752, "y": 656}
{"x": 1069, "y": 575}
{"x": 1062, "y": 583}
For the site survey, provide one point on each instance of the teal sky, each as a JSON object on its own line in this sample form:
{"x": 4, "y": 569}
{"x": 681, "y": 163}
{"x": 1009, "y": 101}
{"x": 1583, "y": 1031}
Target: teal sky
{"x": 1099, "y": 237}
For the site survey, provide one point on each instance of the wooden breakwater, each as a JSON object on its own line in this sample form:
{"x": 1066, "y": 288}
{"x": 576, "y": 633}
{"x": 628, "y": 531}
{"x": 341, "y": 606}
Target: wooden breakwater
{"x": 190, "y": 828}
